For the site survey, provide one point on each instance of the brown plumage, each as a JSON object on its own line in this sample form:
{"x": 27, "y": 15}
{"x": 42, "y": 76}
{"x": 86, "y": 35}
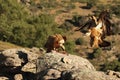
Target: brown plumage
{"x": 98, "y": 29}
{"x": 103, "y": 17}
{"x": 55, "y": 42}
{"x": 106, "y": 24}
{"x": 95, "y": 37}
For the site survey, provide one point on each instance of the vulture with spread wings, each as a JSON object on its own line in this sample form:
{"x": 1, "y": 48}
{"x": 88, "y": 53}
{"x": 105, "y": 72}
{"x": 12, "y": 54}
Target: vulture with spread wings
{"x": 103, "y": 19}
{"x": 98, "y": 29}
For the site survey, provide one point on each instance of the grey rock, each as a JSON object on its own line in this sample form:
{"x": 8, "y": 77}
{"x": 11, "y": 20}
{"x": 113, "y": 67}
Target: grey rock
{"x": 61, "y": 62}
{"x": 12, "y": 60}
{"x": 18, "y": 77}
{"x": 52, "y": 74}
{"x": 29, "y": 67}
{"x": 68, "y": 67}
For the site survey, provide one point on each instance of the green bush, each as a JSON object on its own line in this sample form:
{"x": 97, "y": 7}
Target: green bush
{"x": 90, "y": 4}
{"x": 116, "y": 28}
{"x": 66, "y": 26}
{"x": 117, "y": 56}
{"x": 80, "y": 41}
{"x": 97, "y": 52}
{"x": 23, "y": 34}
{"x": 76, "y": 20}
{"x": 70, "y": 46}
{"x": 70, "y": 6}
{"x": 115, "y": 10}
{"x": 114, "y": 65}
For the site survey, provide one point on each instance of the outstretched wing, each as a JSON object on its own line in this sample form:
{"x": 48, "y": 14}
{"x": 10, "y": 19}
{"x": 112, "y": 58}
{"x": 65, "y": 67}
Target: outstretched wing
{"x": 104, "y": 17}
{"x": 85, "y": 27}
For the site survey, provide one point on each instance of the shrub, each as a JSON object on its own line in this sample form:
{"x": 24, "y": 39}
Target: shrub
{"x": 91, "y": 3}
{"x": 116, "y": 28}
{"x": 97, "y": 52}
{"x": 70, "y": 46}
{"x": 23, "y": 34}
{"x": 118, "y": 56}
{"x": 80, "y": 41}
{"x": 115, "y": 10}
{"x": 70, "y": 6}
{"x": 66, "y": 26}
{"x": 114, "y": 65}
{"x": 76, "y": 20}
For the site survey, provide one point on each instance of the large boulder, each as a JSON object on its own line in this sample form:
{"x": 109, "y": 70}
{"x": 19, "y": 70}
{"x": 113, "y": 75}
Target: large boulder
{"x": 63, "y": 62}
{"x": 19, "y": 61}
{"x": 12, "y": 60}
{"x": 67, "y": 67}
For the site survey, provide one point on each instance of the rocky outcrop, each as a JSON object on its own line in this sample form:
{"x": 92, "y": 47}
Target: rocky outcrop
{"x": 63, "y": 62}
{"x": 29, "y": 64}
{"x": 113, "y": 73}
{"x": 17, "y": 63}
{"x": 68, "y": 67}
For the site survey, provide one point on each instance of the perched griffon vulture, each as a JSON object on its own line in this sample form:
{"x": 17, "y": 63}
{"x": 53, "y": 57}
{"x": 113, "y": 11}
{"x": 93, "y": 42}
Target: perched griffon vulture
{"x": 54, "y": 42}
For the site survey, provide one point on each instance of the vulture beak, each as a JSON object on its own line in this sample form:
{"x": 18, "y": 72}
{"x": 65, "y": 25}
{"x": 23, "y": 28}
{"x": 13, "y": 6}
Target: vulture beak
{"x": 61, "y": 42}
{"x": 63, "y": 47}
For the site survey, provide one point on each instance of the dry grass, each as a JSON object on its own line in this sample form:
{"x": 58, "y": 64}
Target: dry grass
{"x": 6, "y": 45}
